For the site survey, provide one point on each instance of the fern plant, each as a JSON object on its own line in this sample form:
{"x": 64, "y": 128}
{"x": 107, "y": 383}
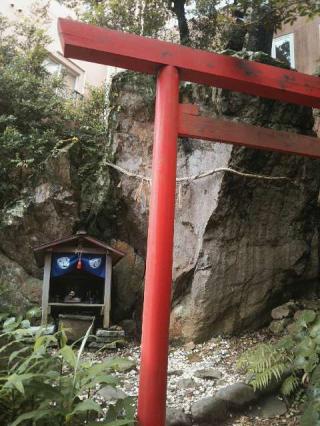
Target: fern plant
{"x": 266, "y": 363}
{"x": 291, "y": 361}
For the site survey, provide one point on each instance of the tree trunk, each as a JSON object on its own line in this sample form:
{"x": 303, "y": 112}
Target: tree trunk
{"x": 260, "y": 33}
{"x": 236, "y": 33}
{"x": 179, "y": 9}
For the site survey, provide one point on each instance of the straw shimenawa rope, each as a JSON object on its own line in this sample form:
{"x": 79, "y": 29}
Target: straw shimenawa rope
{"x": 146, "y": 181}
{"x": 201, "y": 175}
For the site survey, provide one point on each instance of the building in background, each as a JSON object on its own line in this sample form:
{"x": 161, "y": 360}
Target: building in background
{"x": 299, "y": 44}
{"x": 78, "y": 75}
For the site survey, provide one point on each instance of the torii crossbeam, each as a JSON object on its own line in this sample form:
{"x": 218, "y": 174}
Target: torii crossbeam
{"x": 173, "y": 63}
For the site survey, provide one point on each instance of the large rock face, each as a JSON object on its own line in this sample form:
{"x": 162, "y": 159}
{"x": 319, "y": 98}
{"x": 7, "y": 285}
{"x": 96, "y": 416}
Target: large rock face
{"x": 18, "y": 290}
{"x": 241, "y": 246}
{"x": 53, "y": 207}
{"x": 44, "y": 213}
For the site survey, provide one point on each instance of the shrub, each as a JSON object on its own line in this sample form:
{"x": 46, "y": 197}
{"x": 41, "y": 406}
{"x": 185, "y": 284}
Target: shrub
{"x": 36, "y": 119}
{"x": 49, "y": 383}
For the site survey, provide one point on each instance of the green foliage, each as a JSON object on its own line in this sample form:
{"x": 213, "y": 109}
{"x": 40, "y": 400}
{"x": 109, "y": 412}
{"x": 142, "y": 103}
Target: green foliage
{"x": 288, "y": 10}
{"x": 291, "y": 362}
{"x": 143, "y": 17}
{"x": 264, "y": 363}
{"x": 200, "y": 20}
{"x": 293, "y": 357}
{"x": 311, "y": 414}
{"x": 49, "y": 383}
{"x": 37, "y": 120}
{"x": 283, "y": 10}
{"x": 28, "y": 103}
{"x": 33, "y": 314}
{"x": 289, "y": 385}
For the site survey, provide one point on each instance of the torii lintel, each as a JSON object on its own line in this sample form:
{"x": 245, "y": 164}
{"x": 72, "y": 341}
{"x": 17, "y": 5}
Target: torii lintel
{"x": 147, "y": 55}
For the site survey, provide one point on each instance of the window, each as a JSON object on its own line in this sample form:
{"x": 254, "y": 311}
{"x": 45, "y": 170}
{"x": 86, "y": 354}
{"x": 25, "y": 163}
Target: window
{"x": 70, "y": 80}
{"x": 52, "y": 67}
{"x": 69, "y": 77}
{"x": 283, "y": 49}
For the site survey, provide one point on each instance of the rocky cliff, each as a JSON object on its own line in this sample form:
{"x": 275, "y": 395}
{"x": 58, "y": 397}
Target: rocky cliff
{"x": 242, "y": 244}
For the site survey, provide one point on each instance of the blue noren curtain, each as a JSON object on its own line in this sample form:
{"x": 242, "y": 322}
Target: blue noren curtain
{"x": 63, "y": 263}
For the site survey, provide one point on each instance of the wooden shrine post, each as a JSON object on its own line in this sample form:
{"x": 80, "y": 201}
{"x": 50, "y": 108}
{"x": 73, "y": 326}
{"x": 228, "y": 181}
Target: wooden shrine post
{"x": 171, "y": 63}
{"x": 107, "y": 292}
{"x": 45, "y": 288}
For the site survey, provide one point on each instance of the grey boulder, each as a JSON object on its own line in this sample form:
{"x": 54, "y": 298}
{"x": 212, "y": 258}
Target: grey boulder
{"x": 213, "y": 410}
{"x": 210, "y": 410}
{"x": 269, "y": 407}
{"x": 284, "y": 311}
{"x": 186, "y": 383}
{"x": 176, "y": 417}
{"x": 208, "y": 374}
{"x": 237, "y": 395}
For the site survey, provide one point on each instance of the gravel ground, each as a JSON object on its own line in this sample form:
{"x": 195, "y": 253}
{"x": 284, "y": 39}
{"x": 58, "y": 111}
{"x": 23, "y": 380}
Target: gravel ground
{"x": 184, "y": 388}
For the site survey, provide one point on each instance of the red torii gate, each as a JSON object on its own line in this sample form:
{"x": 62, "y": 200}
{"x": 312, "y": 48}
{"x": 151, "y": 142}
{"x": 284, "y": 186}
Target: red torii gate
{"x": 172, "y": 63}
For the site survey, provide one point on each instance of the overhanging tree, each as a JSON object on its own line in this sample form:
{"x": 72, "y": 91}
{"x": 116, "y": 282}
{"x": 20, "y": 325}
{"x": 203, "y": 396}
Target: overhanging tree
{"x": 207, "y": 24}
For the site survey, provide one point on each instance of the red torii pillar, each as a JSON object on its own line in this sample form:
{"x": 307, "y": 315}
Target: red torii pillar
{"x": 172, "y": 63}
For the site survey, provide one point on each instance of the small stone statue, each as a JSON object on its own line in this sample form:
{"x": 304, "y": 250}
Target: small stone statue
{"x": 71, "y": 298}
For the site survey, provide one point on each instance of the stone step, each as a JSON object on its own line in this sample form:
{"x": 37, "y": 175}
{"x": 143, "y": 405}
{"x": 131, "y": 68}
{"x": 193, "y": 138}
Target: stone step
{"x": 109, "y": 333}
{"x": 96, "y": 345}
{"x": 102, "y": 341}
{"x": 107, "y": 339}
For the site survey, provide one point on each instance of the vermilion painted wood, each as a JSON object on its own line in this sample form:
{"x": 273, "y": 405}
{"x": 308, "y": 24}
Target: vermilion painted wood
{"x": 157, "y": 293}
{"x": 206, "y": 128}
{"x": 104, "y": 46}
{"x": 89, "y": 43}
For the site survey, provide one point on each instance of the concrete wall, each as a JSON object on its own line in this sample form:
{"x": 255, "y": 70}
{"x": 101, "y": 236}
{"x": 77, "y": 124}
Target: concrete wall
{"x": 306, "y": 34}
{"x": 87, "y": 73}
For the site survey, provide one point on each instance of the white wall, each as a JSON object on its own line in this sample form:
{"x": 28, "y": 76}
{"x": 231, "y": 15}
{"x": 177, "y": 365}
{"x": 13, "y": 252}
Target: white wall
{"x": 88, "y": 73}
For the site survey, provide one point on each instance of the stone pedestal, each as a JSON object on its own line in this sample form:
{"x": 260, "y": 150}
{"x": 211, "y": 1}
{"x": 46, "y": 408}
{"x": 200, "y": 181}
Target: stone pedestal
{"x": 75, "y": 326}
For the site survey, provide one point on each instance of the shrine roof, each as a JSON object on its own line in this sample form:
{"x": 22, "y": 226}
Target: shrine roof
{"x": 81, "y": 238}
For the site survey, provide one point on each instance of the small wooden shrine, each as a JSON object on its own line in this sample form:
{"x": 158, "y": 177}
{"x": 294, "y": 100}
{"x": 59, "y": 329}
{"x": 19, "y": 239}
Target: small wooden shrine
{"x": 77, "y": 277}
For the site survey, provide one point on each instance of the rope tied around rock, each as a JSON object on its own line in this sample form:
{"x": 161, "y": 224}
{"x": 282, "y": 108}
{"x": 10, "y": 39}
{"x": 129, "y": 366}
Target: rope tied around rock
{"x": 188, "y": 179}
